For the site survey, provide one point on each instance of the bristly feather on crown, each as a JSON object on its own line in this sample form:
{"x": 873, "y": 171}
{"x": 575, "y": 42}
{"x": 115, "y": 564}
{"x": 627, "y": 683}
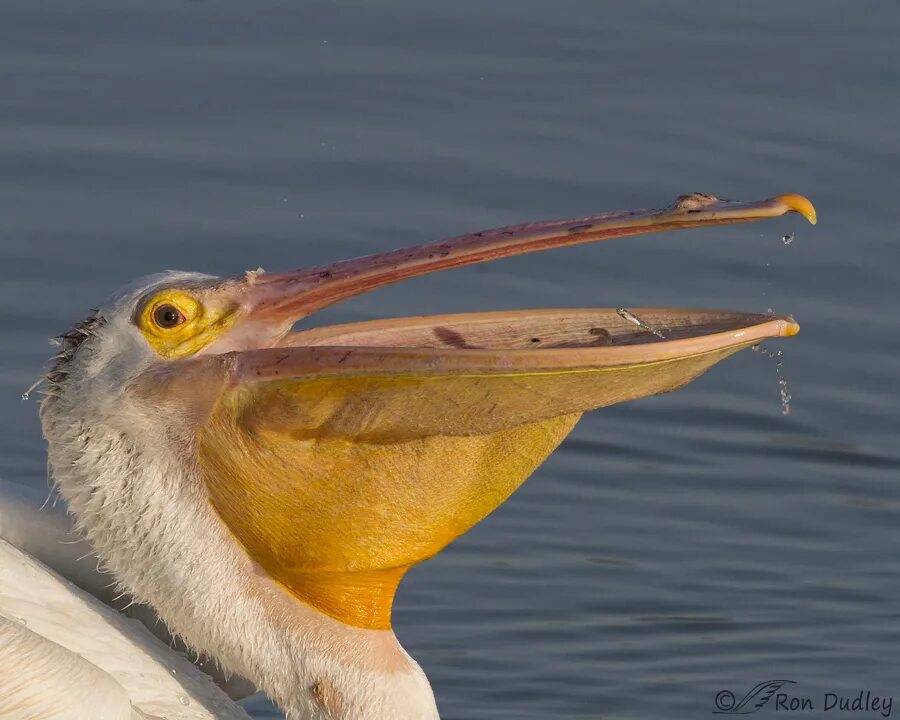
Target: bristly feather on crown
{"x": 68, "y": 344}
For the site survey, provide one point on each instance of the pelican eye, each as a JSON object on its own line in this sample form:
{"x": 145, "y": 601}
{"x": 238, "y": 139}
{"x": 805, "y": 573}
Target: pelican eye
{"x": 167, "y": 316}
{"x": 177, "y": 324}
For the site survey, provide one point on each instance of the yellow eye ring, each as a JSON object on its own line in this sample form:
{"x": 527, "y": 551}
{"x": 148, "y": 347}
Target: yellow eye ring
{"x": 167, "y": 316}
{"x": 169, "y": 313}
{"x": 177, "y": 324}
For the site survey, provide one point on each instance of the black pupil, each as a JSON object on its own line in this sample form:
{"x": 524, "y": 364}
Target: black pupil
{"x": 167, "y": 316}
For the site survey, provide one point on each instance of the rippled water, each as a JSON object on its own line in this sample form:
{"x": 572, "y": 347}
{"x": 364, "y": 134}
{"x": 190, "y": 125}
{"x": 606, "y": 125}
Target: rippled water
{"x": 673, "y": 547}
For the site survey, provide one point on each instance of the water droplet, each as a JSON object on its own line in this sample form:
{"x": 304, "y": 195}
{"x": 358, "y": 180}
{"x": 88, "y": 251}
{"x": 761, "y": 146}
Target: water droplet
{"x": 27, "y": 393}
{"x": 783, "y": 389}
{"x": 174, "y": 671}
{"x": 787, "y": 239}
{"x": 184, "y": 700}
{"x": 782, "y": 380}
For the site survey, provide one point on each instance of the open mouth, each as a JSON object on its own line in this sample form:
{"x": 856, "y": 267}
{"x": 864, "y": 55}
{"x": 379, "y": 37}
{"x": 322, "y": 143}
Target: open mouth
{"x": 617, "y": 329}
{"x": 340, "y": 456}
{"x": 595, "y": 336}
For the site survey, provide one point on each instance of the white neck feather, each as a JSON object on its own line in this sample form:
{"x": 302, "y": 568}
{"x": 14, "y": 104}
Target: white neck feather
{"x": 144, "y": 509}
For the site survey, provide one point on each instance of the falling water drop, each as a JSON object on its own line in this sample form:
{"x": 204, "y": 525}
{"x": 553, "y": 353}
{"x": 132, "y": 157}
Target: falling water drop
{"x": 184, "y": 700}
{"x": 27, "y": 394}
{"x": 779, "y": 369}
{"x": 787, "y": 239}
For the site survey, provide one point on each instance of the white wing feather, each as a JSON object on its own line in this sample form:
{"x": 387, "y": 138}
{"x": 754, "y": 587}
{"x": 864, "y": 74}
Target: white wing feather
{"x": 63, "y": 653}
{"x": 40, "y": 680}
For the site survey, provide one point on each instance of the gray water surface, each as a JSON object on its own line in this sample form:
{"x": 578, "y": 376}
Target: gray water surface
{"x": 673, "y": 547}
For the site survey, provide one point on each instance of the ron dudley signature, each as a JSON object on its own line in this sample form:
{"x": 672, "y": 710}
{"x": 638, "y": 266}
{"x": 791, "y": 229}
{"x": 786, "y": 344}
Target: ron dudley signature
{"x": 779, "y": 696}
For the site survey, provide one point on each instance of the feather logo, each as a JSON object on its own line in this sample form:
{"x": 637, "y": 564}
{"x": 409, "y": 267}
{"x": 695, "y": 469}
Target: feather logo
{"x": 728, "y": 704}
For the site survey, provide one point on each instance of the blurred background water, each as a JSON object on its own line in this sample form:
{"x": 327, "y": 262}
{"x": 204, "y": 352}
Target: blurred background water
{"x": 673, "y": 547}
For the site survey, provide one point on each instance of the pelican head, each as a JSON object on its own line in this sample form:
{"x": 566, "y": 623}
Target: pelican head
{"x": 266, "y": 490}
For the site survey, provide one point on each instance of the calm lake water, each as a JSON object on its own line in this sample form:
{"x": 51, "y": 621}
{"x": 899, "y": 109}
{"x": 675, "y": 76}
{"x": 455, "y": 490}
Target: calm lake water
{"x": 673, "y": 547}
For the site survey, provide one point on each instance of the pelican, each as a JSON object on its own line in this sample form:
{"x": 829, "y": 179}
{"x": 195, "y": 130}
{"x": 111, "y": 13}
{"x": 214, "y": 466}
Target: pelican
{"x": 265, "y": 491}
